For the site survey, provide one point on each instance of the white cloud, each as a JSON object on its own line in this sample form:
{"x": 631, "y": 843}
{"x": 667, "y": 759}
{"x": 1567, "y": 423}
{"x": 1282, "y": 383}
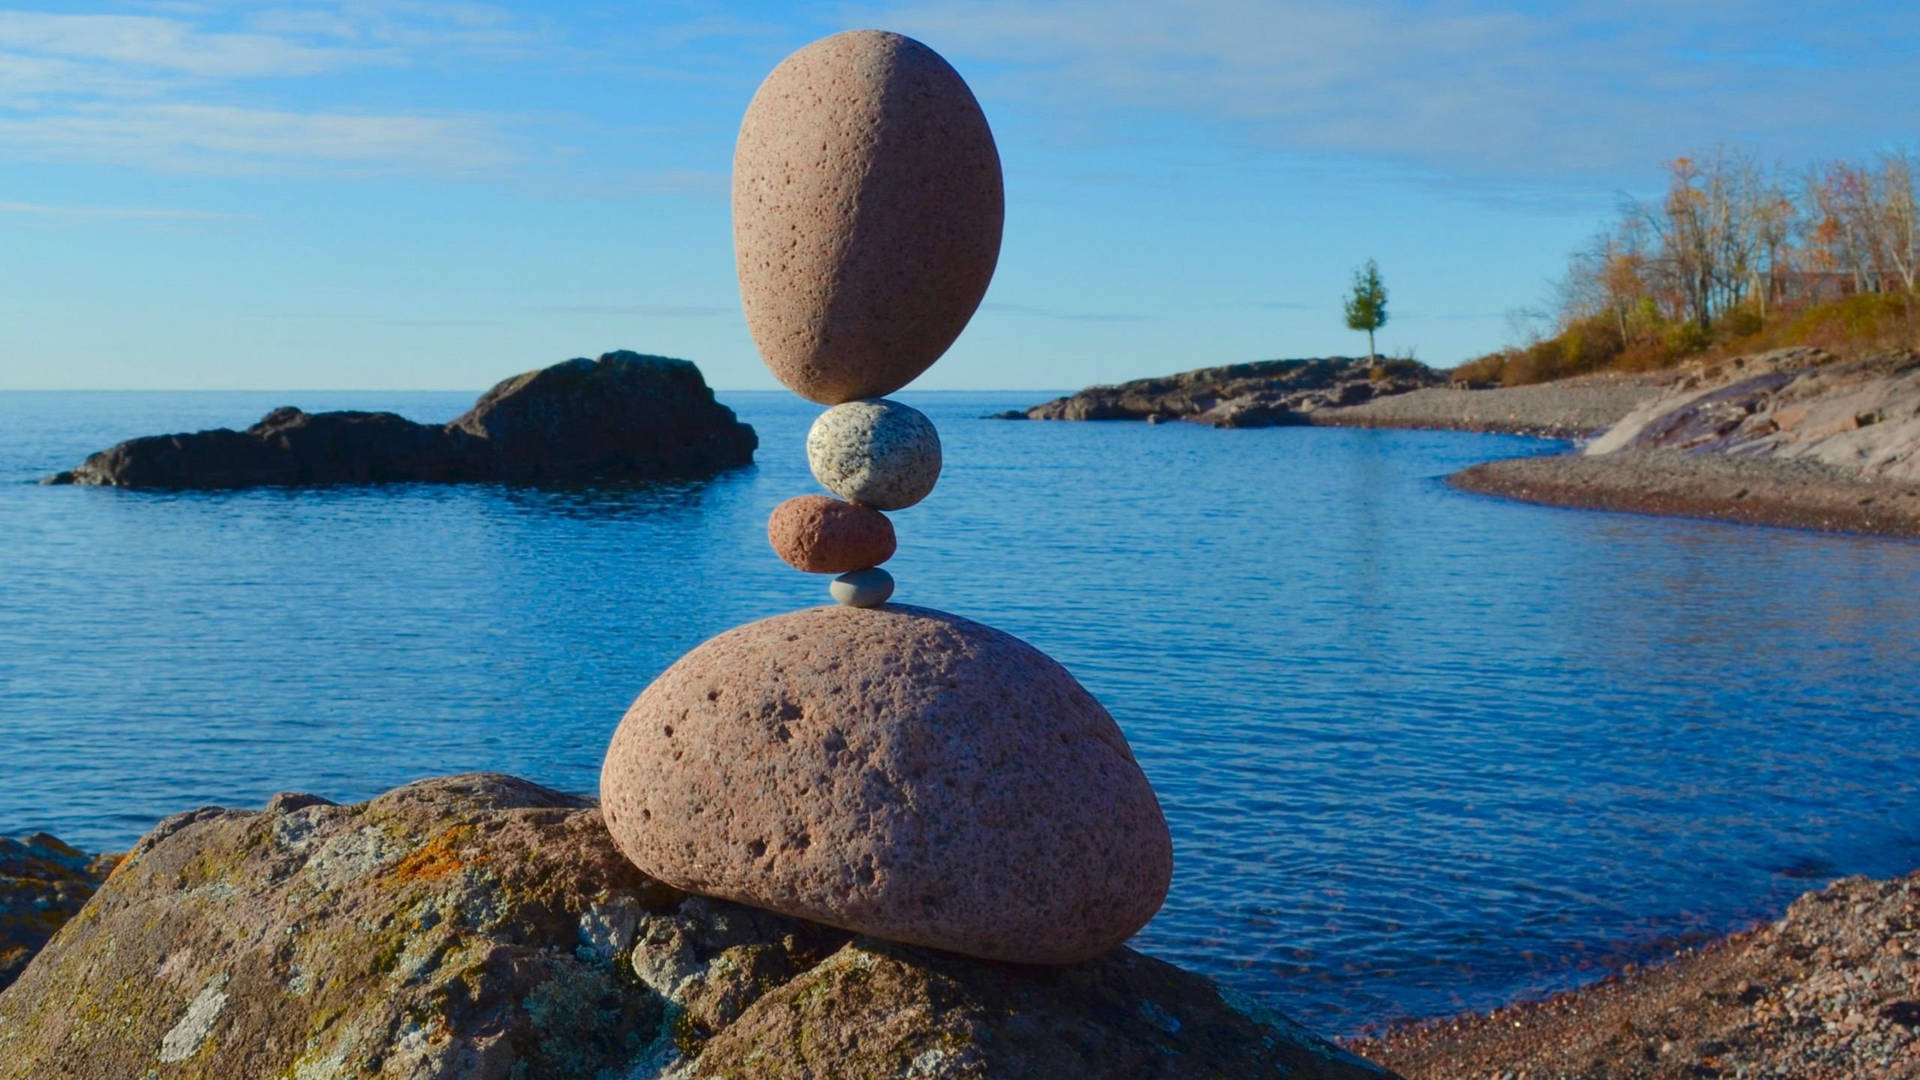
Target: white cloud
{"x": 1566, "y": 88}
{"x": 185, "y": 87}
{"x": 162, "y": 45}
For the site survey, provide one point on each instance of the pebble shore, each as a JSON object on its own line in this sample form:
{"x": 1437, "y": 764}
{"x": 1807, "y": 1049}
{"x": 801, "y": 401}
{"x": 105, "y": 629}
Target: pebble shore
{"x": 1569, "y": 409}
{"x": 1831, "y": 991}
{"x": 1717, "y": 487}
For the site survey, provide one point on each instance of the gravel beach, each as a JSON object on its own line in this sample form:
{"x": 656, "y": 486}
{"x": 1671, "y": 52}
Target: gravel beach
{"x": 1753, "y": 491}
{"x": 1569, "y": 409}
{"x": 1829, "y": 992}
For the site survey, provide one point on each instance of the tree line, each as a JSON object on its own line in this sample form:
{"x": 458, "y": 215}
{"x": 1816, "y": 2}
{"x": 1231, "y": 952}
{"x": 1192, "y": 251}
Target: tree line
{"x": 1730, "y": 236}
{"x": 1739, "y": 256}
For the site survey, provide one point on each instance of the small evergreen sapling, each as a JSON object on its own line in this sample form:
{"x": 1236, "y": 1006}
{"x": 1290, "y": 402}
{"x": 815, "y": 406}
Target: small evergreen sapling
{"x": 1367, "y": 307}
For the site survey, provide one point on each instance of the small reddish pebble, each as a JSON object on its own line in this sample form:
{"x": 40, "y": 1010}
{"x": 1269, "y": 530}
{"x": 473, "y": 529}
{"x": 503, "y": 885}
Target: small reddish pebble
{"x": 826, "y": 536}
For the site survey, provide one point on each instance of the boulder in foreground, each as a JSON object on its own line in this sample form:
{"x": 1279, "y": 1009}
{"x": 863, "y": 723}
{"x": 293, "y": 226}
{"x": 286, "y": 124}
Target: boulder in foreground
{"x": 622, "y": 417}
{"x": 896, "y": 771}
{"x": 484, "y": 928}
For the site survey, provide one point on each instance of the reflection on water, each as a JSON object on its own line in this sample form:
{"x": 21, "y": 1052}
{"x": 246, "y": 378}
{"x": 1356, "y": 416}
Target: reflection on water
{"x": 1420, "y": 750}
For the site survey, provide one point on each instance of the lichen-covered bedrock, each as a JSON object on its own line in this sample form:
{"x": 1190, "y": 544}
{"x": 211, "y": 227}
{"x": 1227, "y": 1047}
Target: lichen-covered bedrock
{"x": 867, "y": 210}
{"x": 43, "y": 882}
{"x": 896, "y": 771}
{"x": 481, "y": 927}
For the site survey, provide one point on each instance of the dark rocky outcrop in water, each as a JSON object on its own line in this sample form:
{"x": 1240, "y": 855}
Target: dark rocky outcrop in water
{"x": 622, "y": 417}
{"x": 1265, "y": 393}
{"x": 42, "y": 883}
{"x": 484, "y": 928}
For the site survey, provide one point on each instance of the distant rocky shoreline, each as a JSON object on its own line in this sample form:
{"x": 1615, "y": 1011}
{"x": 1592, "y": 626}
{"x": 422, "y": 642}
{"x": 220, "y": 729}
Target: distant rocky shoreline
{"x": 1796, "y": 438}
{"x": 622, "y": 417}
{"x": 1265, "y": 393}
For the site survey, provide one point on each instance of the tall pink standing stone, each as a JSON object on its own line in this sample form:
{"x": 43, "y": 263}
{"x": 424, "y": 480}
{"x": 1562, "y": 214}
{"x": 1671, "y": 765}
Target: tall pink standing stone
{"x": 892, "y": 770}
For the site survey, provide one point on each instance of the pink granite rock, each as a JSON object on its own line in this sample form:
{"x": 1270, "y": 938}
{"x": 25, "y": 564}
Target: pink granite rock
{"x": 867, "y": 209}
{"x": 826, "y": 536}
{"x": 896, "y": 771}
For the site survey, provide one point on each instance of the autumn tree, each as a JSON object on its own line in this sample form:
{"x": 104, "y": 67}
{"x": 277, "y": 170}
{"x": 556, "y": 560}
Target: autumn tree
{"x": 1367, "y": 304}
{"x": 1728, "y": 237}
{"x": 1898, "y": 216}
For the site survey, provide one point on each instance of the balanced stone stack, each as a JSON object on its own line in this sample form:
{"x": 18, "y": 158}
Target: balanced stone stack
{"x": 892, "y": 770}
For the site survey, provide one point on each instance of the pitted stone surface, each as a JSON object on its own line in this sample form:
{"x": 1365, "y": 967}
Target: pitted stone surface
{"x": 878, "y": 453}
{"x": 862, "y": 588}
{"x": 827, "y": 536}
{"x": 900, "y": 772}
{"x": 867, "y": 210}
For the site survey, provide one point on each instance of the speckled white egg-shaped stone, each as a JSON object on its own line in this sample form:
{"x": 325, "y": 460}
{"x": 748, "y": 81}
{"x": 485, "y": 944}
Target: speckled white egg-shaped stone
{"x": 877, "y": 453}
{"x": 861, "y": 588}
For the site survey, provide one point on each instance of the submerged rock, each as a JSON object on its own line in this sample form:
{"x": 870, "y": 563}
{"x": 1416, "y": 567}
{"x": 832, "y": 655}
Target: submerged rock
{"x": 897, "y": 771}
{"x": 481, "y": 927}
{"x": 43, "y": 882}
{"x": 1266, "y": 393}
{"x": 622, "y": 417}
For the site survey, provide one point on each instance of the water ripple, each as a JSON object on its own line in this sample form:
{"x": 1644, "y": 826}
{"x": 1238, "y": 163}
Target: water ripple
{"x": 1420, "y": 750}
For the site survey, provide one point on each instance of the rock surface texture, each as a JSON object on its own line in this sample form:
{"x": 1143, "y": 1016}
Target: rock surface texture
{"x": 483, "y": 928}
{"x": 1796, "y": 438}
{"x": 867, "y": 210}
{"x": 1794, "y": 404}
{"x": 899, "y": 772}
{"x": 622, "y": 417}
{"x": 1265, "y": 393}
{"x": 826, "y": 536}
{"x": 877, "y": 453}
{"x": 43, "y": 882}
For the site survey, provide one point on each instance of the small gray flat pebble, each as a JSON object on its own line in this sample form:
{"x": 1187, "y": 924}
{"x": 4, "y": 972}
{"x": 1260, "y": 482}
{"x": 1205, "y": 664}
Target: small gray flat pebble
{"x": 877, "y": 452}
{"x": 862, "y": 588}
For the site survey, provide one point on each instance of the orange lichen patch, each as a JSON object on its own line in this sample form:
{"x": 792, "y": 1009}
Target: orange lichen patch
{"x": 439, "y": 856}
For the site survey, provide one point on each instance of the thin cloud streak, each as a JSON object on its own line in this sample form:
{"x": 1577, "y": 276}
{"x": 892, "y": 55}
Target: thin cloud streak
{"x": 1067, "y": 316}
{"x": 229, "y": 140}
{"x": 662, "y": 311}
{"x": 122, "y": 213}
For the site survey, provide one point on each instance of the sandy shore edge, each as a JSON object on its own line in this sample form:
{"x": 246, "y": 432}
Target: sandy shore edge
{"x": 1747, "y": 491}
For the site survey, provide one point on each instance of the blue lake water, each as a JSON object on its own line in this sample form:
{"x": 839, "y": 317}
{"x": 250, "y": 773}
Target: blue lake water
{"x": 1420, "y": 750}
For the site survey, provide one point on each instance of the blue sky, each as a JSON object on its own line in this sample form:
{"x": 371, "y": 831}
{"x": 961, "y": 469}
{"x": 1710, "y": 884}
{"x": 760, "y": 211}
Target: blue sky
{"x": 402, "y": 194}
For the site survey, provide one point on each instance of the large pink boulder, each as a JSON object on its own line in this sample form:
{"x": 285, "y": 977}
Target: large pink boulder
{"x": 896, "y": 771}
{"x": 867, "y": 209}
